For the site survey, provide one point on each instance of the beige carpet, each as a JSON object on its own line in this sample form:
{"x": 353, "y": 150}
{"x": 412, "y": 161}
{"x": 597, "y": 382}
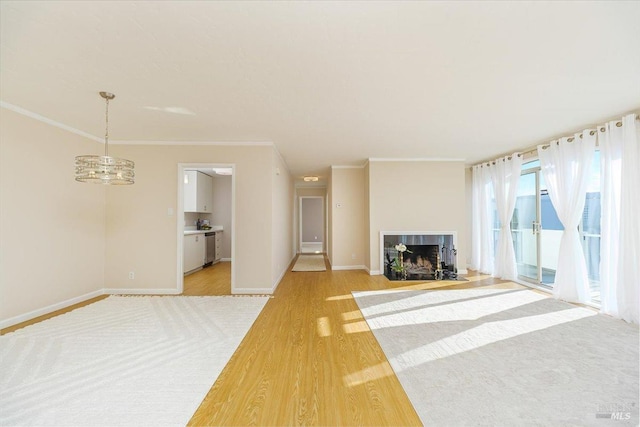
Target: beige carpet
{"x": 122, "y": 361}
{"x": 496, "y": 357}
{"x": 309, "y": 263}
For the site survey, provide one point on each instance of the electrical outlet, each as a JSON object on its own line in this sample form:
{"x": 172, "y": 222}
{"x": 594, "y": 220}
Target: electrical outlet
{"x": 132, "y": 275}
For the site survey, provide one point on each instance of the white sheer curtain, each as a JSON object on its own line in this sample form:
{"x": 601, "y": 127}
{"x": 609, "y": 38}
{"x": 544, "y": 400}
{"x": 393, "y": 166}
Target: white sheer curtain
{"x": 482, "y": 220}
{"x": 565, "y": 167}
{"x": 620, "y": 231}
{"x": 505, "y": 174}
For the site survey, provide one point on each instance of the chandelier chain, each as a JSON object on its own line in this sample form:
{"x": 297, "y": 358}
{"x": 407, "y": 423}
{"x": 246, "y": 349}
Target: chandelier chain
{"x": 106, "y": 132}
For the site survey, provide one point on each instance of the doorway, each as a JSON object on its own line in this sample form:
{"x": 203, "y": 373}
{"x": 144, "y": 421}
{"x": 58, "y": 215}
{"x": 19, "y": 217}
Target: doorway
{"x": 536, "y": 230}
{"x": 221, "y": 218}
{"x": 311, "y": 214}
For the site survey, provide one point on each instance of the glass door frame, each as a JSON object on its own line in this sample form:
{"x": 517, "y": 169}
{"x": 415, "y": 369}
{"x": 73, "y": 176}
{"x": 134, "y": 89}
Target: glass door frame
{"x": 536, "y": 228}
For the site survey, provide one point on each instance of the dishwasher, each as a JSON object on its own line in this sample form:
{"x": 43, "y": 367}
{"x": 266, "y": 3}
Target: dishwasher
{"x": 210, "y": 239}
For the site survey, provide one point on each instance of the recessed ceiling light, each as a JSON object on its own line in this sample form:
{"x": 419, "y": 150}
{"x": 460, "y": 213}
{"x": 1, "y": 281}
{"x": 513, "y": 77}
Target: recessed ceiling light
{"x": 310, "y": 178}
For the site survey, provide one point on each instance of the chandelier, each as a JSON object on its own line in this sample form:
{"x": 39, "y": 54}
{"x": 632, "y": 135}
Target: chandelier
{"x": 105, "y": 169}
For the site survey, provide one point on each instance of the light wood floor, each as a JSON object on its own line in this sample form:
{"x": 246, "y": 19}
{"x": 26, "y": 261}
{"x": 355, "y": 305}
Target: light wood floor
{"x": 213, "y": 280}
{"x": 297, "y": 364}
{"x": 308, "y": 358}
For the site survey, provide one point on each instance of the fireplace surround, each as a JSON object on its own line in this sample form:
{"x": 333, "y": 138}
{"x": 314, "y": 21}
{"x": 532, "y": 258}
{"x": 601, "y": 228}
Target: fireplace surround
{"x": 433, "y": 253}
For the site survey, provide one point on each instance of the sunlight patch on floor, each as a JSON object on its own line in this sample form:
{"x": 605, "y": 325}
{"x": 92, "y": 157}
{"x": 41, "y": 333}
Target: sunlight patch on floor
{"x": 478, "y": 278}
{"x": 356, "y": 327}
{"x": 485, "y": 334}
{"x": 324, "y": 326}
{"x": 426, "y": 285}
{"x": 339, "y": 297}
{"x": 371, "y": 373}
{"x": 352, "y": 315}
{"x": 413, "y": 306}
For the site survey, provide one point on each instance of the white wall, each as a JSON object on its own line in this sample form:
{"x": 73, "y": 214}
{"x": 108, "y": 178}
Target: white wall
{"x": 465, "y": 239}
{"x": 52, "y": 228}
{"x": 416, "y": 196}
{"x": 142, "y": 236}
{"x": 330, "y": 218}
{"x": 348, "y": 217}
{"x": 367, "y": 217}
{"x": 282, "y": 218}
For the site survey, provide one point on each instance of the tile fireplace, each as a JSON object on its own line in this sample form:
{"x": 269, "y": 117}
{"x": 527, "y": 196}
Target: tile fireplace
{"x": 430, "y": 255}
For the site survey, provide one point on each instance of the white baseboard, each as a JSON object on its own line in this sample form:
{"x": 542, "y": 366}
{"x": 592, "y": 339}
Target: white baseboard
{"x": 225, "y": 259}
{"x": 118, "y": 291}
{"x": 462, "y": 271}
{"x": 348, "y": 267}
{"x": 286, "y": 268}
{"x": 49, "y": 309}
{"x": 252, "y": 291}
{"x": 374, "y": 273}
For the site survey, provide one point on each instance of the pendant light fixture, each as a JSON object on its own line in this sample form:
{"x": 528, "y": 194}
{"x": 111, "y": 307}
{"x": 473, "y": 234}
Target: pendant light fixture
{"x": 105, "y": 169}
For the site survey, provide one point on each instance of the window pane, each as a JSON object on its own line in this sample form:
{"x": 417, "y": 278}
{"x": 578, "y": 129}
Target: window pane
{"x": 590, "y": 228}
{"x": 550, "y": 234}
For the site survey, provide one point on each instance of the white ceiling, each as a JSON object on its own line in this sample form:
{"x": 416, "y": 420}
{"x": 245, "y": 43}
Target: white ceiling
{"x": 329, "y": 83}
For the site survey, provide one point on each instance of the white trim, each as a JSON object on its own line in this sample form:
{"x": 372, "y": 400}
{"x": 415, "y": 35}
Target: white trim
{"x": 225, "y": 259}
{"x": 284, "y": 271}
{"x": 314, "y": 185}
{"x": 133, "y": 291}
{"x": 374, "y": 273}
{"x": 281, "y": 158}
{"x": 48, "y": 121}
{"x": 49, "y": 309}
{"x": 221, "y": 143}
{"x": 180, "y": 219}
{"x": 348, "y": 267}
{"x": 417, "y": 159}
{"x": 186, "y": 273}
{"x": 348, "y": 166}
{"x": 462, "y": 271}
{"x": 253, "y": 291}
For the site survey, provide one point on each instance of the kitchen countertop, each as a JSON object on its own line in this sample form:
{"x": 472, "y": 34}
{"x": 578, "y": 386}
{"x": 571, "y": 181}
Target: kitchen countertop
{"x": 213, "y": 229}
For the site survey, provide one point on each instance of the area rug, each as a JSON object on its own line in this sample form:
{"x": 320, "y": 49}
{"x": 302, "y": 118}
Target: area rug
{"x": 309, "y": 263}
{"x": 122, "y": 361}
{"x": 505, "y": 357}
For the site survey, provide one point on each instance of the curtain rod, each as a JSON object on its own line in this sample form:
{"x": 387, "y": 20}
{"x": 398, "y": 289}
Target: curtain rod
{"x": 545, "y": 146}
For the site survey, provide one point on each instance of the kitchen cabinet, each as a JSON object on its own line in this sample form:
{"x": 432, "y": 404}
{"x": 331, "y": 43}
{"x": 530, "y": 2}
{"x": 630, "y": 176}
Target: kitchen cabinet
{"x": 194, "y": 252}
{"x": 198, "y": 192}
{"x": 218, "y": 251}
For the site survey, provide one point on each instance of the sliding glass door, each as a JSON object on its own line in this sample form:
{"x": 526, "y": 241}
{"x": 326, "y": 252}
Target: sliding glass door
{"x": 536, "y": 229}
{"x": 524, "y": 227}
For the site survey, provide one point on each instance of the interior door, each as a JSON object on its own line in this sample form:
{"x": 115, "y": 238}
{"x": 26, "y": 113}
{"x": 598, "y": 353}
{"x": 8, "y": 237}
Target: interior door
{"x": 311, "y": 224}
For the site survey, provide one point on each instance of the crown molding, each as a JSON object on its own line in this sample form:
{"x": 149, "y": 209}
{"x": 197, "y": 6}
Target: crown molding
{"x": 49, "y": 121}
{"x": 417, "y": 159}
{"x": 221, "y": 143}
{"x": 71, "y": 129}
{"x": 348, "y": 166}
